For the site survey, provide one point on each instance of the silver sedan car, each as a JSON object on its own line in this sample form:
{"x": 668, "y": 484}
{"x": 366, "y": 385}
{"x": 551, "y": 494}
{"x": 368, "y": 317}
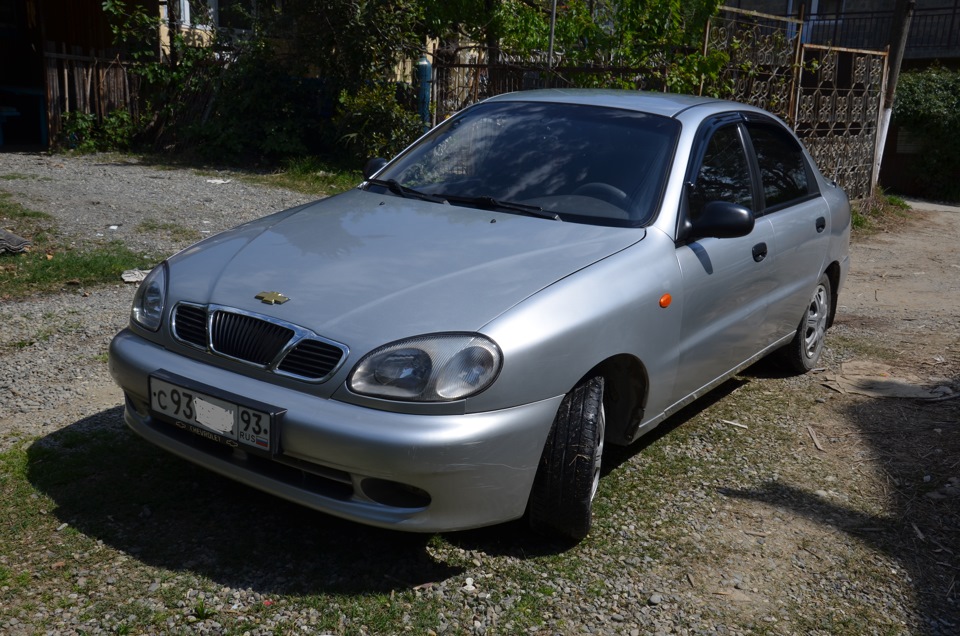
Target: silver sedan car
{"x": 453, "y": 343}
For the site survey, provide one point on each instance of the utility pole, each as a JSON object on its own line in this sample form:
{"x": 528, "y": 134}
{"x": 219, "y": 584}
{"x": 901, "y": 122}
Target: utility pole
{"x": 899, "y": 31}
{"x": 553, "y": 26}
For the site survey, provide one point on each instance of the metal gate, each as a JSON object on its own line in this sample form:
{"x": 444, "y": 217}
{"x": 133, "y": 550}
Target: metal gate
{"x": 838, "y": 112}
{"x": 831, "y": 96}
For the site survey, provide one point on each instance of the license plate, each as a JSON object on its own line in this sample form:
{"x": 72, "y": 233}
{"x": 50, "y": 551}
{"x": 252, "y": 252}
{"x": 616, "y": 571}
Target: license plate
{"x": 216, "y": 419}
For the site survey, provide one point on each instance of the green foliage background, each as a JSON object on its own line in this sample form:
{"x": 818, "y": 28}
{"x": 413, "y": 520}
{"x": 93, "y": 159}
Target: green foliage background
{"x": 320, "y": 76}
{"x": 928, "y": 104}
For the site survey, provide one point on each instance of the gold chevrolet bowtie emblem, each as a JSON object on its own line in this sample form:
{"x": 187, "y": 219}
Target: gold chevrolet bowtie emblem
{"x": 272, "y": 298}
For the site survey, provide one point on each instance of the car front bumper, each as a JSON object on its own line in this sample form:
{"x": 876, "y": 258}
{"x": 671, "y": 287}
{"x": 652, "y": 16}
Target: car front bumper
{"x": 423, "y": 473}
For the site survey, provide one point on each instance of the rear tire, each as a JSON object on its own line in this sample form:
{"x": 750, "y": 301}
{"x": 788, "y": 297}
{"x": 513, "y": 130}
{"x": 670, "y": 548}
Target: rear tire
{"x": 803, "y": 352}
{"x": 561, "y": 501}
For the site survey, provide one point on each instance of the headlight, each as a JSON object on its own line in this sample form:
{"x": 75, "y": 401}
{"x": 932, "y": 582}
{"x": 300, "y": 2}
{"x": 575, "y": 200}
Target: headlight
{"x": 150, "y": 297}
{"x": 428, "y": 369}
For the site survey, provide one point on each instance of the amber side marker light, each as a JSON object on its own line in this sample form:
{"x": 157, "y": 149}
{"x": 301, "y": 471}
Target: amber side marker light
{"x": 665, "y": 300}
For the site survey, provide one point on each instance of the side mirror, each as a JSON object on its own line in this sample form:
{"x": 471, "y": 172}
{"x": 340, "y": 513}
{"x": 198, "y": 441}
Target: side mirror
{"x": 722, "y": 219}
{"x": 373, "y": 166}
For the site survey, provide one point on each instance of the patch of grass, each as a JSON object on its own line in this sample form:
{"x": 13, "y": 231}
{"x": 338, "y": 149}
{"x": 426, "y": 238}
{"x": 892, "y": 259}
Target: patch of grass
{"x": 878, "y": 212}
{"x": 42, "y": 330}
{"x": 201, "y": 611}
{"x": 17, "y": 176}
{"x": 173, "y": 230}
{"x": 311, "y": 176}
{"x": 12, "y": 211}
{"x": 41, "y": 335}
{"x": 48, "y": 270}
{"x": 48, "y": 265}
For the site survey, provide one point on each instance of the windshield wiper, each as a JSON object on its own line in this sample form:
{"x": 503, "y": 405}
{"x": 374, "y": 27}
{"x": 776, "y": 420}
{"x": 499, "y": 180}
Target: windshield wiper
{"x": 406, "y": 192}
{"x": 489, "y": 203}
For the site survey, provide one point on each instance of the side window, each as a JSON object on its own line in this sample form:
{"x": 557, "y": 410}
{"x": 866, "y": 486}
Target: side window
{"x": 724, "y": 173}
{"x": 783, "y": 170}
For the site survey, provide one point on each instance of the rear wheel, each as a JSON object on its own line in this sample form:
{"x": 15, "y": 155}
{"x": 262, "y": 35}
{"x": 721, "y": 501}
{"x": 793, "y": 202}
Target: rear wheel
{"x": 803, "y": 352}
{"x": 561, "y": 501}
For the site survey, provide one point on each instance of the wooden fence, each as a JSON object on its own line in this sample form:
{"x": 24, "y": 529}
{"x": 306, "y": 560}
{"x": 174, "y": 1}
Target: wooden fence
{"x": 91, "y": 82}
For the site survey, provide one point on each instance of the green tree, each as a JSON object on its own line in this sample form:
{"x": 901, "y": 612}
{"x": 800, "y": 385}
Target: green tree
{"x": 664, "y": 38}
{"x": 347, "y": 43}
{"x": 309, "y": 74}
{"x": 928, "y": 104}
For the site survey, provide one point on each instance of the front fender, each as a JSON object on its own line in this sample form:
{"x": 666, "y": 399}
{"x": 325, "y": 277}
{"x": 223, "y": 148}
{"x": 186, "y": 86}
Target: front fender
{"x": 611, "y": 308}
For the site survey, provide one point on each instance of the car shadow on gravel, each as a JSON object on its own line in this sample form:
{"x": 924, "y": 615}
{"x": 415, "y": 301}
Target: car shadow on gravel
{"x": 916, "y": 445}
{"x": 517, "y": 541}
{"x": 112, "y": 486}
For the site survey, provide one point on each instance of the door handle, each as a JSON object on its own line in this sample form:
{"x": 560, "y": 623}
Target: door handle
{"x": 759, "y": 252}
{"x": 821, "y": 224}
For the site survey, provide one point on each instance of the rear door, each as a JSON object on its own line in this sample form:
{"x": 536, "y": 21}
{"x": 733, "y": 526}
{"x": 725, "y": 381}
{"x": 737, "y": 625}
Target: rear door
{"x": 799, "y": 216}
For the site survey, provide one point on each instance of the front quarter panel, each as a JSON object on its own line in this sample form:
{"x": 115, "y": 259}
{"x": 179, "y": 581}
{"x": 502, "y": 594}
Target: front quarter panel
{"x": 551, "y": 340}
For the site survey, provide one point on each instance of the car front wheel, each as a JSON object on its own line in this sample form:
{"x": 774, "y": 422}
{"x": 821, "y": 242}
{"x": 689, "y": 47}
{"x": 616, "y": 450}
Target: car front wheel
{"x": 803, "y": 352}
{"x": 561, "y": 501}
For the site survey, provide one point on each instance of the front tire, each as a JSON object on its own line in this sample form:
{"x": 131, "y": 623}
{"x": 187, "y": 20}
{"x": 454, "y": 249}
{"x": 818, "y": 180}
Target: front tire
{"x": 561, "y": 501}
{"x": 803, "y": 352}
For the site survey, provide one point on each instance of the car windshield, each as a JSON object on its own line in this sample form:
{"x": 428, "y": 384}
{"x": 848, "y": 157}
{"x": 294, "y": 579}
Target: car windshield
{"x": 580, "y": 163}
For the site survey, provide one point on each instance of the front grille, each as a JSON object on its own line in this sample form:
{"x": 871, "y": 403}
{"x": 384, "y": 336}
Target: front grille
{"x": 247, "y": 338}
{"x": 258, "y": 341}
{"x": 312, "y": 359}
{"x": 190, "y": 324}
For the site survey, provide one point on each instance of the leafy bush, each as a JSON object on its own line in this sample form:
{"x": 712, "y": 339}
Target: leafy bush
{"x": 372, "y": 123}
{"x": 84, "y": 133}
{"x": 256, "y": 110}
{"x": 879, "y": 211}
{"x": 928, "y": 104}
{"x": 223, "y": 96}
{"x": 77, "y": 131}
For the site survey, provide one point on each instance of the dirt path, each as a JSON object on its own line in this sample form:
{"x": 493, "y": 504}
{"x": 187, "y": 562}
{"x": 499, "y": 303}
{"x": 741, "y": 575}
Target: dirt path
{"x": 869, "y": 505}
{"x": 906, "y": 282}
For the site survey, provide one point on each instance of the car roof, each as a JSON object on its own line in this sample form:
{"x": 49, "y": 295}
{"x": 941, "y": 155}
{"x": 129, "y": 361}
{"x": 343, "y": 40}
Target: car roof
{"x": 665, "y": 104}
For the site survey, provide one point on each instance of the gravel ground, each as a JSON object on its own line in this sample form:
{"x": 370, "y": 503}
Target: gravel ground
{"x": 711, "y": 554}
{"x": 61, "y": 377}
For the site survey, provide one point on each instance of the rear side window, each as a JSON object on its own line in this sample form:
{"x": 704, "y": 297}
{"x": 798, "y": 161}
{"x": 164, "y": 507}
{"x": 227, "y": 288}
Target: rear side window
{"x": 783, "y": 169}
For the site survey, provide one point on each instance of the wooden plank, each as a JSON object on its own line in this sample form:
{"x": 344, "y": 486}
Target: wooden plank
{"x": 66, "y": 83}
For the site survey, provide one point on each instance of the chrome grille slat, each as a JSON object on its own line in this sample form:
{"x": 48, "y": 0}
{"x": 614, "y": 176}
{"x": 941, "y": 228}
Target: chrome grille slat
{"x": 258, "y": 340}
{"x": 247, "y": 338}
{"x": 191, "y": 324}
{"x": 311, "y": 359}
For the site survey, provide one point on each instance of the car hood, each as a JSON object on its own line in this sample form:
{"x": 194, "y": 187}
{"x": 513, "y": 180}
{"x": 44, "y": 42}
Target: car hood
{"x": 363, "y": 266}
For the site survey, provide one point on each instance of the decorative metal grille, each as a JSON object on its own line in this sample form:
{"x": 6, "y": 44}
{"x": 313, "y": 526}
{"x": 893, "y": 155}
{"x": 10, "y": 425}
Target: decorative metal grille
{"x": 831, "y": 96}
{"x": 763, "y": 51}
{"x": 838, "y": 111}
{"x": 463, "y": 75}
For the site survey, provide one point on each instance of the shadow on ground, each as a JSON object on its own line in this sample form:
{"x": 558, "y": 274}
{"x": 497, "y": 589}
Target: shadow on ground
{"x": 114, "y": 487}
{"x": 917, "y": 445}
